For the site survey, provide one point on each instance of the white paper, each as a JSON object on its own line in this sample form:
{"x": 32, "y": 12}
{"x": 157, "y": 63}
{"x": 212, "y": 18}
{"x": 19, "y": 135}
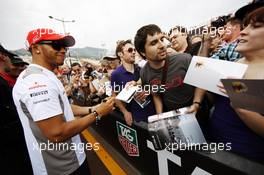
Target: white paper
{"x": 206, "y": 72}
{"x": 175, "y": 127}
{"x": 127, "y": 94}
{"x": 142, "y": 104}
{"x": 96, "y": 84}
{"x": 191, "y": 130}
{"x": 108, "y": 89}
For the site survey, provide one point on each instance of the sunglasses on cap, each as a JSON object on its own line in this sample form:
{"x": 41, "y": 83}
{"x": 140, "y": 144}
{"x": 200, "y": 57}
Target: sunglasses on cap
{"x": 56, "y": 45}
{"x": 130, "y": 50}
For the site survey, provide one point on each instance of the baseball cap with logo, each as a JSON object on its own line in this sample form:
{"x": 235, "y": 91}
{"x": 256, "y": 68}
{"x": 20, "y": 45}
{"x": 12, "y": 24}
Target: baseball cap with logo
{"x": 45, "y": 34}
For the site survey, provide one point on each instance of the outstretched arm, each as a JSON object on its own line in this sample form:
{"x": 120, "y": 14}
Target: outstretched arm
{"x": 253, "y": 120}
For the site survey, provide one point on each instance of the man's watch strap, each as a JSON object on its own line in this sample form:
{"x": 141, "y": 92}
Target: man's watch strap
{"x": 97, "y": 116}
{"x": 89, "y": 110}
{"x": 196, "y": 102}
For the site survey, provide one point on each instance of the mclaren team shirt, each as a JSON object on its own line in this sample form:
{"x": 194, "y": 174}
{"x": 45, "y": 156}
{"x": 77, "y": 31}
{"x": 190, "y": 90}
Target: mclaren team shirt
{"x": 39, "y": 95}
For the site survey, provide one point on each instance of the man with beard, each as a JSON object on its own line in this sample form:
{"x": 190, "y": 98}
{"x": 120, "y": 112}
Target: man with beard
{"x": 127, "y": 72}
{"x": 168, "y": 70}
{"x": 13, "y": 150}
{"x": 47, "y": 117}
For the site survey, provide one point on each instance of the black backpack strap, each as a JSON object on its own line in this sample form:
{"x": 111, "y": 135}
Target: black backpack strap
{"x": 164, "y": 74}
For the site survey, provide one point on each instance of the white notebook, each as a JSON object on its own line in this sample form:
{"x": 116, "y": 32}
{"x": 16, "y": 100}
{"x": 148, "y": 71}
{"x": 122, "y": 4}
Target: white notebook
{"x": 127, "y": 94}
{"x": 206, "y": 73}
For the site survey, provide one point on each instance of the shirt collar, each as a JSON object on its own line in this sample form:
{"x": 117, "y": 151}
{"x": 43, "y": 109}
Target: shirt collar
{"x": 47, "y": 71}
{"x": 123, "y": 70}
{"x": 10, "y": 80}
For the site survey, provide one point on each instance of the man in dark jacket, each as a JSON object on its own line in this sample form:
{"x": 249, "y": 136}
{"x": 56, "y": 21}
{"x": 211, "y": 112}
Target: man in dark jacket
{"x": 13, "y": 151}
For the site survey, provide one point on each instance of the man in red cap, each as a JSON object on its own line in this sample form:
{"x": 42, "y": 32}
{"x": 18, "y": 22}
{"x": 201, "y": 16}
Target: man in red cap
{"x": 47, "y": 117}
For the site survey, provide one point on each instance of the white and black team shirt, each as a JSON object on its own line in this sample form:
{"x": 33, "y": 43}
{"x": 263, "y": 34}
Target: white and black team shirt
{"x": 39, "y": 95}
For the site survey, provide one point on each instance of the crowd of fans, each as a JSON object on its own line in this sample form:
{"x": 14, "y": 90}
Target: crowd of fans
{"x": 219, "y": 45}
{"x": 160, "y": 58}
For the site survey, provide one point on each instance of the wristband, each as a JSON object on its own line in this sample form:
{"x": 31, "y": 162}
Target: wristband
{"x": 196, "y": 102}
{"x": 89, "y": 110}
{"x": 97, "y": 117}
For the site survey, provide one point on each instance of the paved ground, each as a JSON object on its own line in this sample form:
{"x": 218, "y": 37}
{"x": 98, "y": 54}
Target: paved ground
{"x": 95, "y": 164}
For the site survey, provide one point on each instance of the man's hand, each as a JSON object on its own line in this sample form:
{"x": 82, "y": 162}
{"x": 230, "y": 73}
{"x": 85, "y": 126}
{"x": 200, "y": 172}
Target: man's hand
{"x": 221, "y": 87}
{"x": 128, "y": 118}
{"x": 193, "y": 108}
{"x": 101, "y": 90}
{"x": 105, "y": 107}
{"x": 207, "y": 40}
{"x": 141, "y": 96}
{"x": 206, "y": 44}
{"x": 94, "y": 107}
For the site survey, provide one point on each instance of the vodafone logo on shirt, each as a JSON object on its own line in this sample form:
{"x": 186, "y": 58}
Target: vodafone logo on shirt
{"x": 36, "y": 85}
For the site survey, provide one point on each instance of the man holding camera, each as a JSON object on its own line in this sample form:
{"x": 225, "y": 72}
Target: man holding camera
{"x": 230, "y": 36}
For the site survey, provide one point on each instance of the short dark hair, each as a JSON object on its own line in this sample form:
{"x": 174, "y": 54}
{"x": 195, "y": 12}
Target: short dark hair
{"x": 179, "y": 28}
{"x": 234, "y": 21}
{"x": 75, "y": 64}
{"x": 141, "y": 37}
{"x": 120, "y": 45}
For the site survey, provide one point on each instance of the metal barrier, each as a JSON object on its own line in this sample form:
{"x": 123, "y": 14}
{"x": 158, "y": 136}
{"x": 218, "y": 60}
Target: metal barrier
{"x": 133, "y": 143}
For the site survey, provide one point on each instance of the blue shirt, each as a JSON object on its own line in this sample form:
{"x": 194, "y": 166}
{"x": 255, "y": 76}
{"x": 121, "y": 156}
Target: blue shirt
{"x": 119, "y": 78}
{"x": 227, "y": 52}
{"x": 227, "y": 127}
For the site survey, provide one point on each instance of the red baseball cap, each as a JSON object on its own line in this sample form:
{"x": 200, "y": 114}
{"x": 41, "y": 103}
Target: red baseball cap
{"x": 45, "y": 34}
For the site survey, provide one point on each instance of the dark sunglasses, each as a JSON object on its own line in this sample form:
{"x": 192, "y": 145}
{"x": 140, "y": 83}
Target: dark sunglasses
{"x": 19, "y": 65}
{"x": 130, "y": 50}
{"x": 54, "y": 44}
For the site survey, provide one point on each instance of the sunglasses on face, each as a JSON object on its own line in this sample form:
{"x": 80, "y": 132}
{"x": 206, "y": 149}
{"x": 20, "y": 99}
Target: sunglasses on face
{"x": 130, "y": 50}
{"x": 19, "y": 65}
{"x": 54, "y": 44}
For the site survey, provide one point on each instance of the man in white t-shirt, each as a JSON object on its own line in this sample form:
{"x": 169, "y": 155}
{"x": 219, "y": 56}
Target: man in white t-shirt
{"x": 47, "y": 117}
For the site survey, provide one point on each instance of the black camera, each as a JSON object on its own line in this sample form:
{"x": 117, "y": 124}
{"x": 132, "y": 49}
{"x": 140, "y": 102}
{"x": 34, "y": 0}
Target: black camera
{"x": 220, "y": 21}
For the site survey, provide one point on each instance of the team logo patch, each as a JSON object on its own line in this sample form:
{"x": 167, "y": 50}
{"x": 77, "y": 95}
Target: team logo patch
{"x": 128, "y": 139}
{"x": 36, "y": 85}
